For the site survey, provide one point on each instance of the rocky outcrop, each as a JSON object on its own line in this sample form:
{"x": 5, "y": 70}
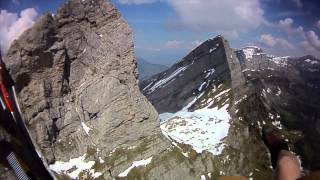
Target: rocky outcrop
{"x": 75, "y": 74}
{"x": 289, "y": 99}
{"x": 284, "y": 93}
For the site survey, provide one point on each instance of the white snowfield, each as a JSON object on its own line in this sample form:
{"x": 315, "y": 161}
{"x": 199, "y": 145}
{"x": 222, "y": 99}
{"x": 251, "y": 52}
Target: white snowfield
{"x": 206, "y": 83}
{"x": 281, "y": 61}
{"x": 209, "y": 72}
{"x": 85, "y": 128}
{"x": 203, "y": 129}
{"x": 212, "y": 49}
{"x": 143, "y": 162}
{"x": 249, "y": 51}
{"x": 164, "y": 81}
{"x": 74, "y": 167}
{"x": 201, "y": 86}
{"x": 311, "y": 62}
{"x": 314, "y": 62}
{"x": 279, "y": 91}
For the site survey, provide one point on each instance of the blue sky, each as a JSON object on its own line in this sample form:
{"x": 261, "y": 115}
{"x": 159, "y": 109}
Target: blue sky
{"x": 166, "y": 30}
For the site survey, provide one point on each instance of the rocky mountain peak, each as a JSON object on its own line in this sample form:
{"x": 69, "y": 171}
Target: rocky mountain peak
{"x": 76, "y": 78}
{"x": 205, "y": 66}
{"x": 196, "y": 99}
{"x": 217, "y": 99}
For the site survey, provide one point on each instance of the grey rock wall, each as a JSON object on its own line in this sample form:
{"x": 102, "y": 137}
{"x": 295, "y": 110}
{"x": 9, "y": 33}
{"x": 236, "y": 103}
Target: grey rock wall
{"x": 76, "y": 70}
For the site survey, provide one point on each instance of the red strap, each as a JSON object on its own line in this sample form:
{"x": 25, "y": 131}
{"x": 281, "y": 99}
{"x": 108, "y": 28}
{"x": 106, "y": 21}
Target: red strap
{"x": 5, "y": 97}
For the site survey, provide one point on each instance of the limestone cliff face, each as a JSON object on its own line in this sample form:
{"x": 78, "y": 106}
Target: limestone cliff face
{"x": 76, "y": 78}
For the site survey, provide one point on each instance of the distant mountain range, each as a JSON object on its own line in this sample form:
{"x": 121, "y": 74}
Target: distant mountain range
{"x": 218, "y": 100}
{"x": 146, "y": 69}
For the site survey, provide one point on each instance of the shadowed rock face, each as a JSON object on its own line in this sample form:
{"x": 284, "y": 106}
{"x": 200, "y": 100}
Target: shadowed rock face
{"x": 75, "y": 74}
{"x": 183, "y": 79}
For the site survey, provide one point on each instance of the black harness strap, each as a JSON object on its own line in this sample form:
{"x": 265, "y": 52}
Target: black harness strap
{"x": 24, "y": 148}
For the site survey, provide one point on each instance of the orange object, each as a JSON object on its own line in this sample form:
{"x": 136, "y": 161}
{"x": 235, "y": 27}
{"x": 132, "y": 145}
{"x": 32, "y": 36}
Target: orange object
{"x": 5, "y": 97}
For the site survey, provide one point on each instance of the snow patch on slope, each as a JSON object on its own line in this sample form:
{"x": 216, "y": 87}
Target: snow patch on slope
{"x": 201, "y": 86}
{"x": 85, "y": 128}
{"x": 163, "y": 81}
{"x": 311, "y": 61}
{"x": 249, "y": 51}
{"x": 143, "y": 162}
{"x": 203, "y": 129}
{"x": 279, "y": 91}
{"x": 314, "y": 62}
{"x": 209, "y": 72}
{"x": 212, "y": 49}
{"x": 74, "y": 167}
{"x": 203, "y": 177}
{"x": 281, "y": 61}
